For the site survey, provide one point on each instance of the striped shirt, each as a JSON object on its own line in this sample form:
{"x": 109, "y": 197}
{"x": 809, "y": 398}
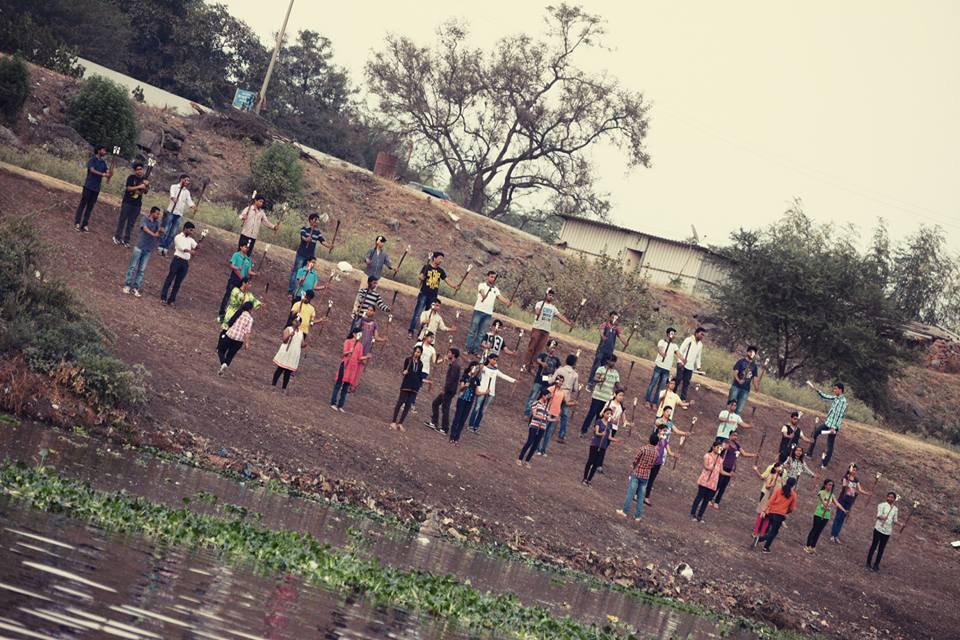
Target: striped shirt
{"x": 645, "y": 461}
{"x": 366, "y": 299}
{"x": 241, "y": 328}
{"x": 539, "y": 417}
{"x": 838, "y": 408}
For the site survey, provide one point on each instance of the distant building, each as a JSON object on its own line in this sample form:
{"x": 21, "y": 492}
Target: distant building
{"x": 667, "y": 263}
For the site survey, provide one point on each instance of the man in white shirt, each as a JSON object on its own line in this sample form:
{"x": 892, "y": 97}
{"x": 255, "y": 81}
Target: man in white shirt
{"x": 730, "y": 421}
{"x": 666, "y": 352}
{"x": 184, "y": 246}
{"x": 487, "y": 295}
{"x": 887, "y": 514}
{"x": 251, "y": 218}
{"x": 180, "y": 199}
{"x": 432, "y": 322}
{"x": 486, "y": 391}
{"x": 688, "y": 361}
{"x": 543, "y": 314}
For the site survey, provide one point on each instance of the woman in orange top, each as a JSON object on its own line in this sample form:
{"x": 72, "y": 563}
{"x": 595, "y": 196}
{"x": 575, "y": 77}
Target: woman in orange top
{"x": 707, "y": 483}
{"x": 781, "y": 503}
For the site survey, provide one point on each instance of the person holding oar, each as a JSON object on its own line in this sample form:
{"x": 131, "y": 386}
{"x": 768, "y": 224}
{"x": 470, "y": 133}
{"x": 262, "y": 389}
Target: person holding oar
{"x": 826, "y": 500}
{"x": 663, "y": 427}
{"x": 850, "y": 488}
{"x": 831, "y": 424}
{"x": 376, "y": 258}
{"x": 745, "y": 378}
{"x": 180, "y": 199}
{"x": 97, "y": 170}
{"x": 431, "y": 275}
{"x": 287, "y": 358}
{"x": 487, "y": 295}
{"x": 235, "y": 335}
{"x": 887, "y": 514}
{"x": 241, "y": 268}
{"x": 544, "y": 313}
{"x": 251, "y": 219}
{"x": 781, "y": 504}
{"x": 310, "y": 237}
{"x": 349, "y": 371}
{"x": 666, "y": 352}
{"x": 609, "y": 334}
{"x": 710, "y": 473}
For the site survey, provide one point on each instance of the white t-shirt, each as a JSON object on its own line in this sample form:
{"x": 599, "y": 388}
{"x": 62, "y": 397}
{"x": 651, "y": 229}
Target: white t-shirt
{"x": 184, "y": 200}
{"x": 729, "y": 421}
{"x": 182, "y": 245}
{"x": 432, "y": 322}
{"x": 669, "y": 349}
{"x": 427, "y": 357}
{"x": 889, "y": 510}
{"x": 543, "y": 315}
{"x": 692, "y": 351}
{"x": 486, "y": 297}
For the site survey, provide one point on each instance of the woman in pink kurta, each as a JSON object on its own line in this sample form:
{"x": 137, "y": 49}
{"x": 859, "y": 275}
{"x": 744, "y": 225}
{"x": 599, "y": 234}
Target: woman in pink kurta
{"x": 349, "y": 372}
{"x": 707, "y": 482}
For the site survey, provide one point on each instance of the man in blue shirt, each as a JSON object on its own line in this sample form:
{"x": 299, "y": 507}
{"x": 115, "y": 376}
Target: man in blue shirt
{"x": 306, "y": 279}
{"x": 310, "y": 236}
{"x": 831, "y": 425}
{"x": 744, "y": 378}
{"x": 97, "y": 170}
{"x": 241, "y": 267}
{"x": 149, "y": 232}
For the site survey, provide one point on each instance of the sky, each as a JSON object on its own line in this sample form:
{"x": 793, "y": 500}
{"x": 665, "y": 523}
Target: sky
{"x": 853, "y": 107}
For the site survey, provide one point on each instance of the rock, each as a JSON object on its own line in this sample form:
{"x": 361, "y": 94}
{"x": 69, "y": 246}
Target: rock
{"x": 490, "y": 247}
{"x": 173, "y": 132}
{"x": 172, "y": 144}
{"x": 684, "y": 571}
{"x": 468, "y": 235}
{"x": 9, "y": 138}
{"x": 394, "y": 225}
{"x": 46, "y": 111}
{"x": 148, "y": 140}
{"x": 456, "y": 535}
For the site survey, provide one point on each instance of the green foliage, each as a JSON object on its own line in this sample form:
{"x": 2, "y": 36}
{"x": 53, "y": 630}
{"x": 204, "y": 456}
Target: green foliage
{"x": 103, "y": 113}
{"x": 43, "y": 320}
{"x": 920, "y": 268}
{"x": 14, "y": 86}
{"x": 33, "y": 30}
{"x": 277, "y": 173}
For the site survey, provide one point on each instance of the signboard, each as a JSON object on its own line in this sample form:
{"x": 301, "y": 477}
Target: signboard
{"x": 243, "y": 99}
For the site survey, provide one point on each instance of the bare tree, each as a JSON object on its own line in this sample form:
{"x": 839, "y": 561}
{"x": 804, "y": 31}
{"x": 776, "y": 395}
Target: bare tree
{"x": 516, "y": 121}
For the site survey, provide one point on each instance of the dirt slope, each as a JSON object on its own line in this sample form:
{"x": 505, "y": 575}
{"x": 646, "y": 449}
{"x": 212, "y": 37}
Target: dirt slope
{"x": 544, "y": 510}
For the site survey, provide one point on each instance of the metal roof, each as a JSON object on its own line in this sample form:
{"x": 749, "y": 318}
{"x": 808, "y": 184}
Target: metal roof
{"x": 608, "y": 225}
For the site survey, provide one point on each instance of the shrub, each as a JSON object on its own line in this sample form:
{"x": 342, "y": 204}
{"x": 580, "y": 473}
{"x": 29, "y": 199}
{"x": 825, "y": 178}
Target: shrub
{"x": 103, "y": 113}
{"x": 14, "y": 86}
{"x": 277, "y": 173}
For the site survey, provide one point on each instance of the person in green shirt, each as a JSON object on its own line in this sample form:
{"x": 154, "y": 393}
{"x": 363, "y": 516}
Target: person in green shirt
{"x": 605, "y": 383}
{"x": 821, "y": 515}
{"x": 238, "y": 296}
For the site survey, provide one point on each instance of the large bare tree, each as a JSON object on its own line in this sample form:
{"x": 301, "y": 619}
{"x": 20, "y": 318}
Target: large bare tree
{"x": 516, "y": 121}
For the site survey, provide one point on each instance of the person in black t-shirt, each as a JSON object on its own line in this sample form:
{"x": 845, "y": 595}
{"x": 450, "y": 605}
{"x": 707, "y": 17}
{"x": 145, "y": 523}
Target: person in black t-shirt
{"x": 310, "y": 237}
{"x": 790, "y": 436}
{"x": 431, "y": 275}
{"x": 133, "y": 192}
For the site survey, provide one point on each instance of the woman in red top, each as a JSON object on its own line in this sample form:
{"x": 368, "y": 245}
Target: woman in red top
{"x": 707, "y": 483}
{"x": 349, "y": 372}
{"x": 781, "y": 503}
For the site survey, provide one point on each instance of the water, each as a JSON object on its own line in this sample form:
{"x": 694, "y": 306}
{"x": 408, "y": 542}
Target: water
{"x": 172, "y": 592}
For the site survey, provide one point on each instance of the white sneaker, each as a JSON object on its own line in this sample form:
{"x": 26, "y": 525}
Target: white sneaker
{"x": 136, "y": 293}
{"x": 116, "y": 240}
{"x": 223, "y": 368}
{"x": 126, "y": 289}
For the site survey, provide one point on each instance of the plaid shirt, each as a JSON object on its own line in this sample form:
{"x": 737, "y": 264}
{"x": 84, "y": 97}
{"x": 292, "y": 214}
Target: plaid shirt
{"x": 241, "y": 328}
{"x": 645, "y": 460}
{"x": 838, "y": 408}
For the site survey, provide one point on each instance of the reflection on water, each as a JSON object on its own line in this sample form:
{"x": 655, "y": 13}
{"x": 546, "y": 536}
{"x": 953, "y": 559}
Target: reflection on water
{"x": 62, "y": 579}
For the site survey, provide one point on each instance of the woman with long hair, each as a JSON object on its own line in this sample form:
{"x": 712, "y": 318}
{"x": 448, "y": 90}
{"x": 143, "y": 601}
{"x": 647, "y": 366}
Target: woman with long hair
{"x": 287, "y": 358}
{"x": 409, "y": 387}
{"x": 467, "y": 391}
{"x": 349, "y": 371}
{"x": 780, "y": 505}
{"x": 795, "y": 466}
{"x": 235, "y": 335}
{"x": 773, "y": 480}
{"x": 821, "y": 515}
{"x": 602, "y": 437}
{"x": 707, "y": 482}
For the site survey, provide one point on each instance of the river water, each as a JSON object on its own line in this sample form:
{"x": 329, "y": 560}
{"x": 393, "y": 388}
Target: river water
{"x": 60, "y": 578}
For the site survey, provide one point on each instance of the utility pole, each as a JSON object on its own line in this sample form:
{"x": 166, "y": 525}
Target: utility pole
{"x": 273, "y": 60}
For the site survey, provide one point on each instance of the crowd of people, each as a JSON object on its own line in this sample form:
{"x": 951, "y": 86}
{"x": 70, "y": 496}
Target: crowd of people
{"x": 470, "y": 377}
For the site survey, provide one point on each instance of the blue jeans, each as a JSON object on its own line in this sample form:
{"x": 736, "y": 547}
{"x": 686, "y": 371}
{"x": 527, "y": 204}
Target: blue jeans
{"x": 658, "y": 381}
{"x": 564, "y": 418}
{"x": 424, "y": 300}
{"x": 340, "y": 390}
{"x": 478, "y": 327}
{"x": 171, "y": 225}
{"x": 531, "y": 399}
{"x": 298, "y": 261}
{"x": 138, "y": 264}
{"x": 478, "y": 408}
{"x": 740, "y": 395}
{"x": 598, "y": 361}
{"x": 546, "y": 437}
{"x": 636, "y": 489}
{"x": 838, "y": 519}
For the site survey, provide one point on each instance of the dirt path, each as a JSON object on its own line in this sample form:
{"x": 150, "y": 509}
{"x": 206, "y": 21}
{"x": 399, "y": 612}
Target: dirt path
{"x": 546, "y": 506}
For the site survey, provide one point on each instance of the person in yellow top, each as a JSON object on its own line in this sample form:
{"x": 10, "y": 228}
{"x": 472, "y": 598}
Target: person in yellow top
{"x": 670, "y": 398}
{"x": 238, "y": 296}
{"x": 307, "y": 313}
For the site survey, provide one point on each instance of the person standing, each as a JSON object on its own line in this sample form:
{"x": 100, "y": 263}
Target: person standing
{"x": 449, "y": 392}
{"x": 251, "y": 219}
{"x": 310, "y": 236}
{"x": 287, "y": 358}
{"x": 468, "y": 391}
{"x": 670, "y": 398}
{"x": 731, "y": 452}
{"x": 409, "y": 387}
{"x": 306, "y": 279}
{"x": 432, "y": 322}
{"x": 543, "y": 314}
{"x": 369, "y": 335}
{"x": 559, "y": 401}
{"x": 795, "y": 466}
{"x": 666, "y": 352}
{"x": 487, "y": 295}
{"x": 184, "y": 246}
{"x": 349, "y": 371}
{"x": 492, "y": 343}
{"x": 773, "y": 479}
{"x": 547, "y": 364}
{"x": 570, "y": 378}
{"x": 241, "y": 268}
{"x": 539, "y": 418}
{"x": 850, "y": 488}
{"x": 97, "y": 170}
{"x": 307, "y": 313}
{"x": 831, "y": 425}
{"x": 730, "y": 421}
{"x": 707, "y": 482}
{"x": 609, "y": 334}
{"x": 130, "y": 206}
{"x": 375, "y": 259}
{"x": 821, "y": 514}
{"x": 643, "y": 464}
{"x": 180, "y": 199}
{"x": 887, "y": 514}
{"x": 236, "y": 335}
{"x": 428, "y": 358}
{"x": 431, "y": 275}
{"x": 791, "y": 435}
{"x": 606, "y": 380}
{"x": 617, "y": 420}
{"x": 149, "y": 232}
{"x": 239, "y": 295}
{"x": 745, "y": 378}
{"x": 487, "y": 390}
{"x": 602, "y": 436}
{"x": 689, "y": 361}
{"x": 781, "y": 504}
{"x": 664, "y": 428}
{"x": 369, "y": 297}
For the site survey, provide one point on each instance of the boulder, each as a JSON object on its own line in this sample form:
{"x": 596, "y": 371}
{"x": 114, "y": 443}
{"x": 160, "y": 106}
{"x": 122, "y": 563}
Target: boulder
{"x": 490, "y": 247}
{"x": 171, "y": 143}
{"x": 394, "y": 225}
{"x": 148, "y": 140}
{"x": 468, "y": 235}
{"x": 9, "y": 138}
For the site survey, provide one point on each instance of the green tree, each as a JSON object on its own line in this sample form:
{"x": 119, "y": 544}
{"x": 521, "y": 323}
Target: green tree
{"x": 103, "y": 113}
{"x": 278, "y": 174}
{"x": 25, "y": 28}
{"x": 921, "y": 267}
{"x": 14, "y": 86}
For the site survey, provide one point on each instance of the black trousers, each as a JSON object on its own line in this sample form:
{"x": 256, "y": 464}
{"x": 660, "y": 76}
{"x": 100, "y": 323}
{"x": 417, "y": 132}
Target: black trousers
{"x": 700, "y": 502}
{"x": 722, "y": 483}
{"x": 818, "y": 525}
{"x": 653, "y": 476}
{"x": 594, "y": 460}
{"x": 684, "y": 376}
{"x": 232, "y": 283}
{"x": 460, "y": 418}
{"x": 878, "y": 545}
{"x": 775, "y": 520}
{"x": 831, "y": 439}
{"x": 406, "y": 400}
{"x": 596, "y": 406}
{"x": 227, "y": 348}
{"x": 246, "y": 240}
{"x": 87, "y": 200}
{"x": 178, "y": 271}
{"x": 125, "y": 221}
{"x": 441, "y": 404}
{"x": 286, "y": 376}
{"x": 533, "y": 439}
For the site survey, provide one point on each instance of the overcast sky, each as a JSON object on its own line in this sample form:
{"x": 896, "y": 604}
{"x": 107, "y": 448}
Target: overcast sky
{"x": 852, "y": 106}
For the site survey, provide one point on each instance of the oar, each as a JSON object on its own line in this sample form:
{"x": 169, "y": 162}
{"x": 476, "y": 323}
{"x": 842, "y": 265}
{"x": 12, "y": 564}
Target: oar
{"x": 333, "y": 243}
